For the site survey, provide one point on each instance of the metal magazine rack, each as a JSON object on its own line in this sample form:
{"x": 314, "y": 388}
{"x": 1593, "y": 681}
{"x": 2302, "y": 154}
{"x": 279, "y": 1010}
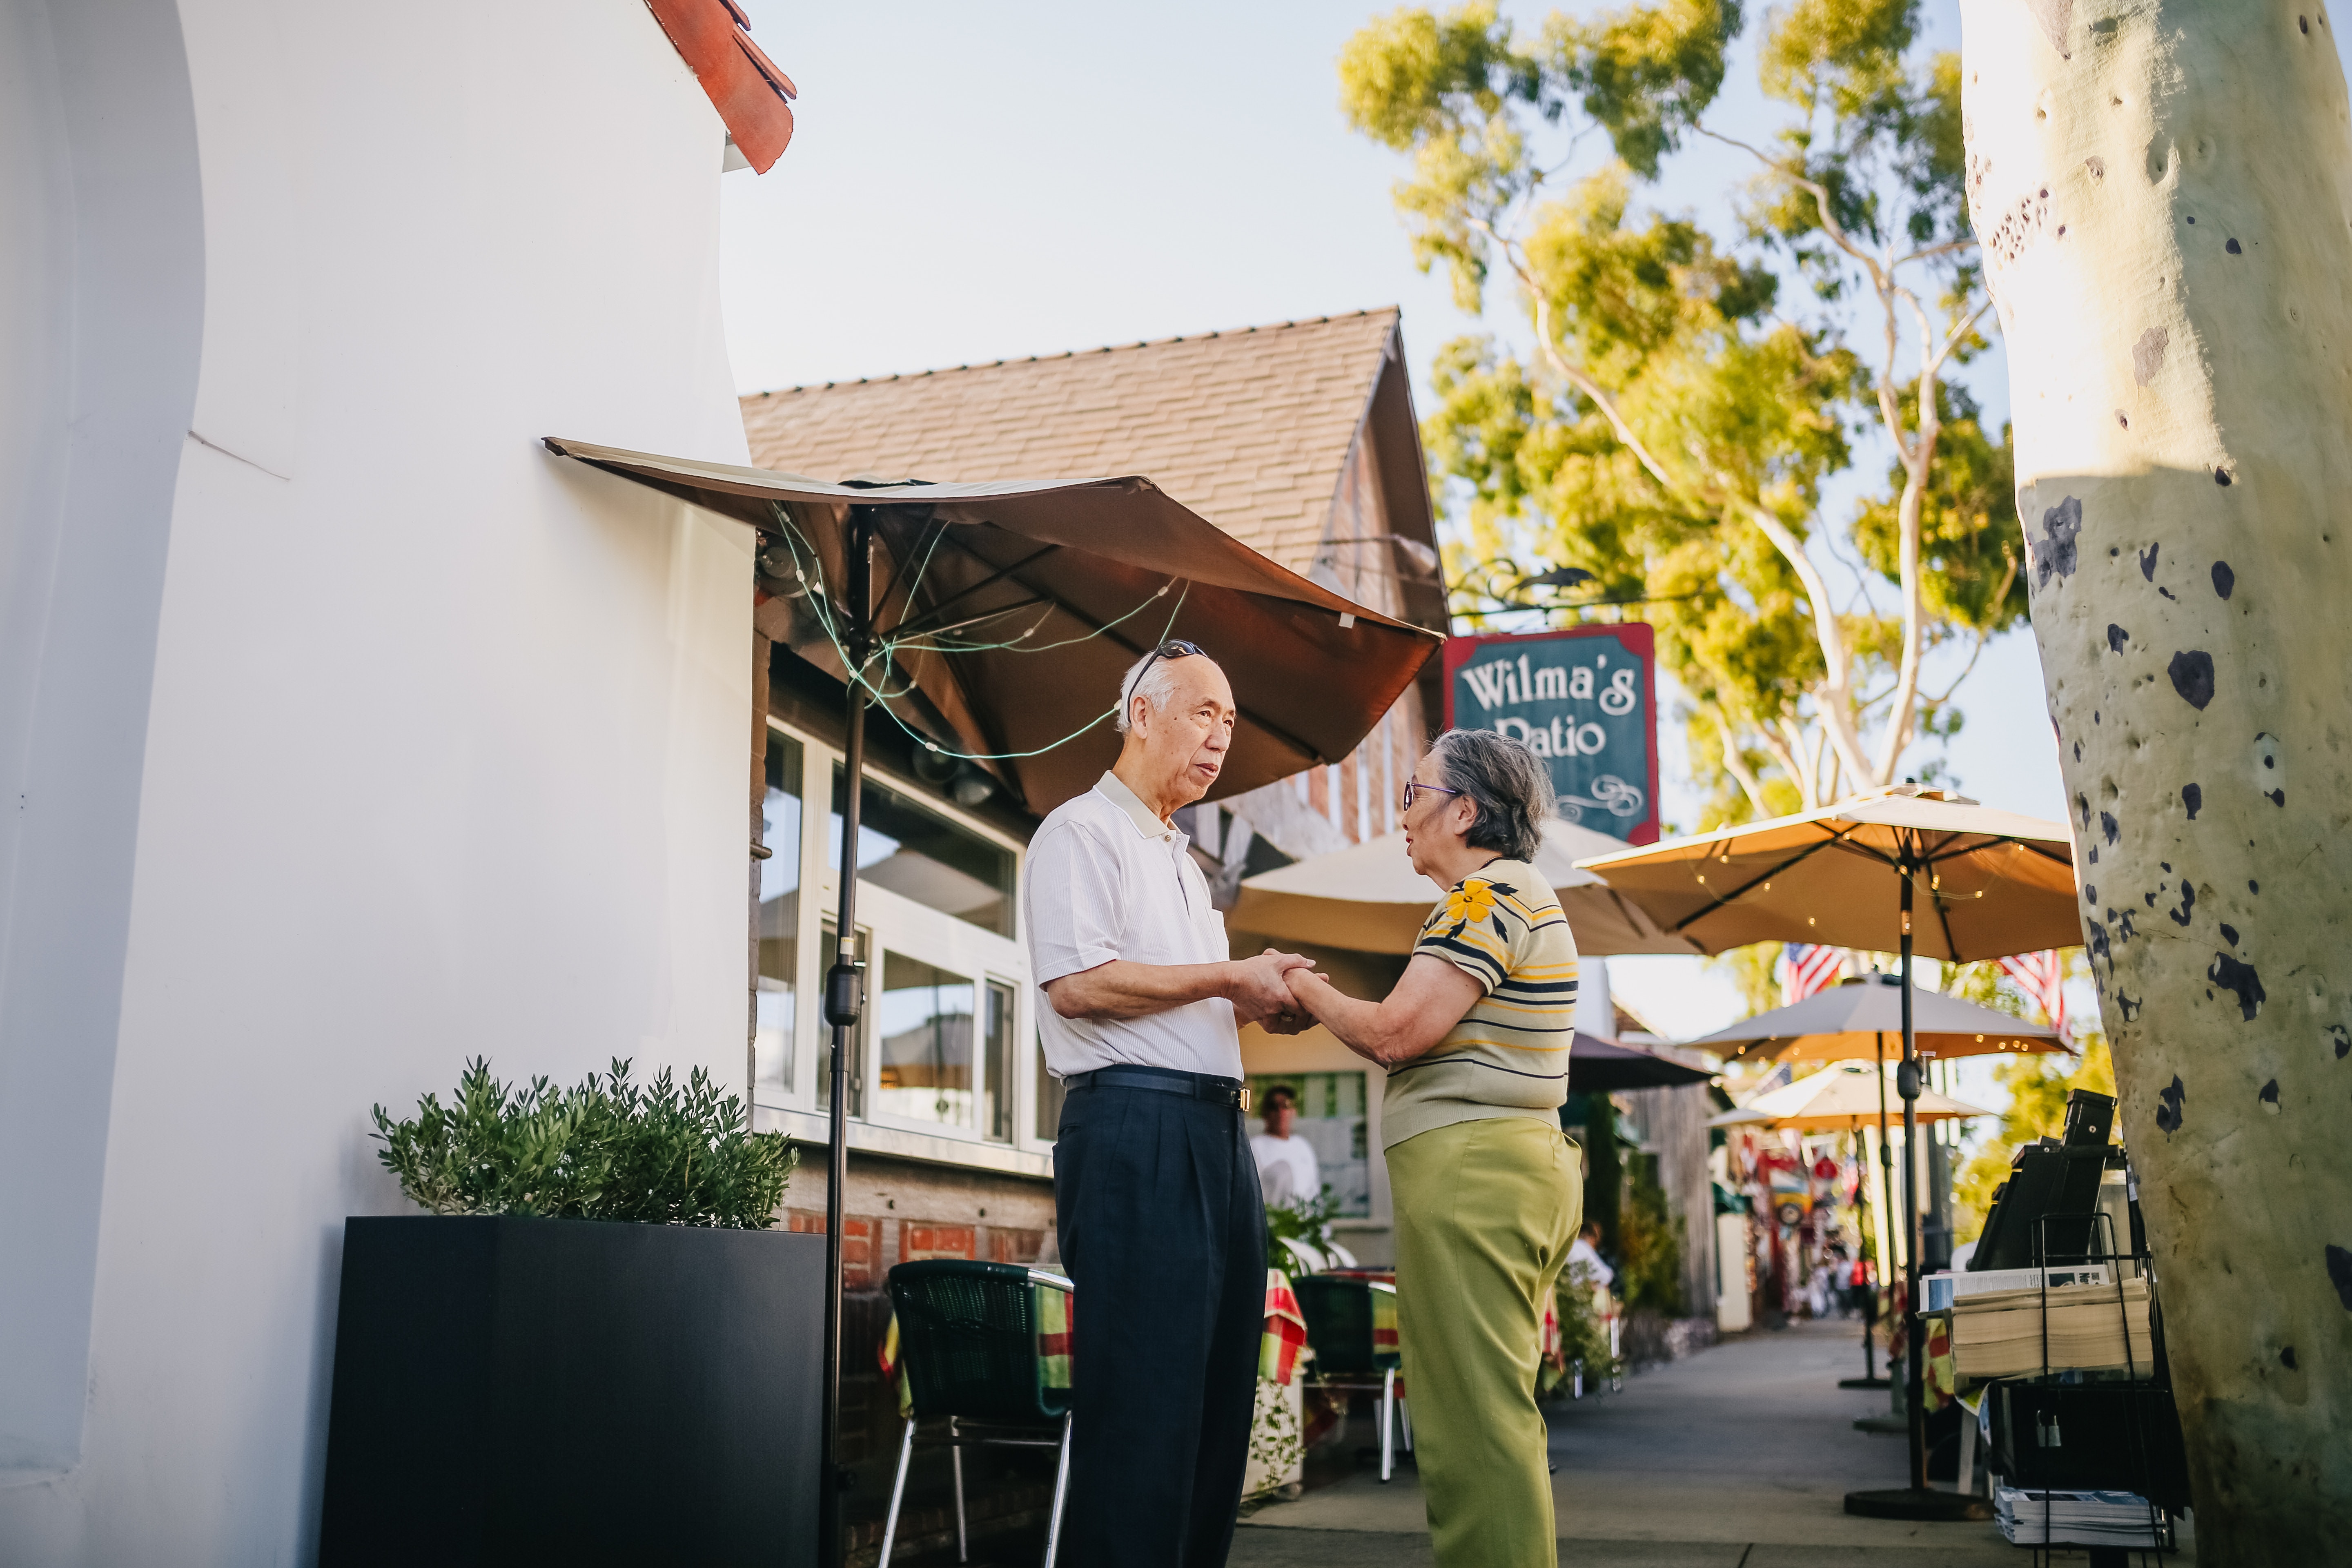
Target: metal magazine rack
{"x": 2134, "y": 1425}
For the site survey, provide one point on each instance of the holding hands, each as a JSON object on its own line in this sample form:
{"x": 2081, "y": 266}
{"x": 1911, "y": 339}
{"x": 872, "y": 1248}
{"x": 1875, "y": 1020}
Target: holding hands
{"x": 1261, "y": 993}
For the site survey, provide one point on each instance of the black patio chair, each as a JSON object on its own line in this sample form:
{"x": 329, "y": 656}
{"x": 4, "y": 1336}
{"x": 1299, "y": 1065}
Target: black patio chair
{"x": 968, "y": 1336}
{"x": 1338, "y": 1312}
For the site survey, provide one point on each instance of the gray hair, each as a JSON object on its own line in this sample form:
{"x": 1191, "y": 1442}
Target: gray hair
{"x": 1508, "y": 784}
{"x": 1158, "y": 685}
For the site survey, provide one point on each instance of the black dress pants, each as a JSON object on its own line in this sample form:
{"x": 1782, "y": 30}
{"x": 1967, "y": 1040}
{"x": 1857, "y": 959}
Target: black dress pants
{"x": 1163, "y": 1232}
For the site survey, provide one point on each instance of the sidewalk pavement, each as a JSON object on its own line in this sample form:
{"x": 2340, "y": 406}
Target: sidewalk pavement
{"x": 1738, "y": 1457}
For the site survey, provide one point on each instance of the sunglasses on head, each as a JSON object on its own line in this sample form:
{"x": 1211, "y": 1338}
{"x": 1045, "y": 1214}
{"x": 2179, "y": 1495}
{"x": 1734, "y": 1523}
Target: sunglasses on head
{"x": 1174, "y": 647}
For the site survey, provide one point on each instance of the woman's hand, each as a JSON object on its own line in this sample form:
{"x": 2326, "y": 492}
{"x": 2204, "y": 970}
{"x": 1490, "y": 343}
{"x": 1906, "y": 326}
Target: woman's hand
{"x": 1427, "y": 1003}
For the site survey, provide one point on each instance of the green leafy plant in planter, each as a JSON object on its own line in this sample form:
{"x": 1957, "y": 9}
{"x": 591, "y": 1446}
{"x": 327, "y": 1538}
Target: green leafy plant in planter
{"x": 1307, "y": 1221}
{"x": 610, "y": 1149}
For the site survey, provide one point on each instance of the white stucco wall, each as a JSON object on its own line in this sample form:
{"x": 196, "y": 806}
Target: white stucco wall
{"x": 446, "y": 748}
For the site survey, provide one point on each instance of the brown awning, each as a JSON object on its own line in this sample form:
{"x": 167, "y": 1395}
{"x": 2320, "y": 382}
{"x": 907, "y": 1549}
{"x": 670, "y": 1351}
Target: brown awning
{"x": 1036, "y": 594}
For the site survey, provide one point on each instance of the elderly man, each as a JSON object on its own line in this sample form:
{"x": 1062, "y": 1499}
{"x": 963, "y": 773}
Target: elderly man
{"x": 1160, "y": 1224}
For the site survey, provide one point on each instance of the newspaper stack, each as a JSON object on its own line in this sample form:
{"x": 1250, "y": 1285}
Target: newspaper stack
{"x": 2074, "y": 1519}
{"x": 2005, "y": 1333}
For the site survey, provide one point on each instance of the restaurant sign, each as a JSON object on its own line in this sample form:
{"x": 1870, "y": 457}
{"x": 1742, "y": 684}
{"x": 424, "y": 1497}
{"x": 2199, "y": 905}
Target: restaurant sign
{"x": 1584, "y": 701}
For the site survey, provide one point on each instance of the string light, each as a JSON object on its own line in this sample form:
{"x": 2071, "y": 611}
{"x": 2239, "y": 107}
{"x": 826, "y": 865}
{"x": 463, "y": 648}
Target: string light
{"x": 886, "y": 650}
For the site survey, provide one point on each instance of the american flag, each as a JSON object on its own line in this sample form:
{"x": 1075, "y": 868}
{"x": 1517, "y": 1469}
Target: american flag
{"x": 1809, "y": 969}
{"x": 2043, "y": 979}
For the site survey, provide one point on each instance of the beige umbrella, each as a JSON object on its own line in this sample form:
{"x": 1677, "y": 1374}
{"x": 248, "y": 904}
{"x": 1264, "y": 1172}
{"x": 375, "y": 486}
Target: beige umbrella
{"x": 1855, "y": 1018}
{"x": 1835, "y": 1100}
{"x": 1368, "y": 898}
{"x": 1995, "y": 883}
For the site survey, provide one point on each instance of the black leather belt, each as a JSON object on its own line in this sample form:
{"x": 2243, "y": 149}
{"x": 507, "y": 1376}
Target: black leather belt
{"x": 1164, "y": 1080}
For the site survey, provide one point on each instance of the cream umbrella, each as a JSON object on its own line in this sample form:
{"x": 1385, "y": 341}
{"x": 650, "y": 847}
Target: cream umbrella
{"x": 1835, "y": 1101}
{"x": 1855, "y": 1018}
{"x": 1995, "y": 883}
{"x": 1368, "y": 898}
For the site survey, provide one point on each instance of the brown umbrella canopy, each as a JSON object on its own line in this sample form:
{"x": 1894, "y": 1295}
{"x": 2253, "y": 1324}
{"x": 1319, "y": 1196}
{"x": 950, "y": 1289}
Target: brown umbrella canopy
{"x": 1989, "y": 883}
{"x": 1598, "y": 1066}
{"x": 1012, "y": 608}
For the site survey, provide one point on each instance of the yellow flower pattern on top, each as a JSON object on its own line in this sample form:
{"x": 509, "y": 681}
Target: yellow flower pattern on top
{"x": 1472, "y": 900}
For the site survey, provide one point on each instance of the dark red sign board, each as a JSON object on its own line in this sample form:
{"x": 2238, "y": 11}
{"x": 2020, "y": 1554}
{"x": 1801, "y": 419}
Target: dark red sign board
{"x": 1585, "y": 700}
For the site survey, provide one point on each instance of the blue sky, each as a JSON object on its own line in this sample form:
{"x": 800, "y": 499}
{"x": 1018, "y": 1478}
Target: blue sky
{"x": 974, "y": 182}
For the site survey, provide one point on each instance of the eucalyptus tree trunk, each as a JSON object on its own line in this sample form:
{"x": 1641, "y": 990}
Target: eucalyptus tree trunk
{"x": 2163, "y": 190}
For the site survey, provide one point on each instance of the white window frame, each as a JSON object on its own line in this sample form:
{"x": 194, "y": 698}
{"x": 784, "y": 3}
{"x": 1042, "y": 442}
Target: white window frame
{"x": 918, "y": 931}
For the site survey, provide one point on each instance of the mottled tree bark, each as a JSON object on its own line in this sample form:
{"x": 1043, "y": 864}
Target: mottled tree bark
{"x": 2163, "y": 190}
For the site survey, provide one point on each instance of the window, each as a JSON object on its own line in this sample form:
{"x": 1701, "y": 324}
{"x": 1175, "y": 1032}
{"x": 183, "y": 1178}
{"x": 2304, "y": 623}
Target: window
{"x": 996, "y": 1073}
{"x": 925, "y": 1018}
{"x": 919, "y": 855}
{"x": 941, "y": 1066}
{"x": 780, "y": 924}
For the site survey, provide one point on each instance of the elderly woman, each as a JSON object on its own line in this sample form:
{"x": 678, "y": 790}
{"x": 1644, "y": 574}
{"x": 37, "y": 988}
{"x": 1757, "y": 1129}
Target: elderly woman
{"x": 1487, "y": 1191}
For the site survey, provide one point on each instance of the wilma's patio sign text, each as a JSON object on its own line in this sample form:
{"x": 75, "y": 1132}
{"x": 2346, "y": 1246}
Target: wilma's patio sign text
{"x": 1581, "y": 698}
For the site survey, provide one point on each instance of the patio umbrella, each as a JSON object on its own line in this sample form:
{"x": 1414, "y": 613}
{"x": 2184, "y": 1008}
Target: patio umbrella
{"x": 1006, "y": 613}
{"x": 1598, "y": 1066}
{"x": 1832, "y": 1101}
{"x": 1855, "y": 1017}
{"x": 1367, "y": 899}
{"x": 999, "y": 616}
{"x": 1995, "y": 883}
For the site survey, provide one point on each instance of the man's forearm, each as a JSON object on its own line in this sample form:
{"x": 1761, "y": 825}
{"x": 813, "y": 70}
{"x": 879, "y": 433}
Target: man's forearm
{"x": 1120, "y": 989}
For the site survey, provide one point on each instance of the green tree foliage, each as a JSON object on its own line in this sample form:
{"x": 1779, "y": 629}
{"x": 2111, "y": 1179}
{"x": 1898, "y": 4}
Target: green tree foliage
{"x": 611, "y": 1149}
{"x": 1670, "y": 434}
{"x": 1583, "y": 1338}
{"x": 1650, "y": 1251}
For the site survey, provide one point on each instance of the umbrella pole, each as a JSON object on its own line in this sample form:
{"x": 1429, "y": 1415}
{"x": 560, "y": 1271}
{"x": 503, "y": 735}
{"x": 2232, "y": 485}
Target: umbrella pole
{"x": 845, "y": 997}
{"x": 1907, "y": 1084}
{"x": 1917, "y": 1501}
{"x": 1868, "y": 1215}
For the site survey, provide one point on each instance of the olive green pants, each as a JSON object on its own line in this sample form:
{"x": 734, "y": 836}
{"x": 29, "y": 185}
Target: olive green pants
{"x": 1486, "y": 1212}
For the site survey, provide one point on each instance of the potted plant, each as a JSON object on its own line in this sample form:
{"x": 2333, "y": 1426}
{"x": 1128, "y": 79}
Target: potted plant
{"x": 592, "y": 1350}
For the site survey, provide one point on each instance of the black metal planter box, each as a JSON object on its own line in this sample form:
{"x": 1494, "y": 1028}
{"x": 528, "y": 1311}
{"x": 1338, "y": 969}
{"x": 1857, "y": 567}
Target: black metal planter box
{"x": 517, "y": 1391}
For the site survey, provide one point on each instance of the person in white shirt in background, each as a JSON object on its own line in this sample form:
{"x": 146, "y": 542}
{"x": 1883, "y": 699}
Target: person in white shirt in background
{"x": 1583, "y": 1257}
{"x": 1286, "y": 1169}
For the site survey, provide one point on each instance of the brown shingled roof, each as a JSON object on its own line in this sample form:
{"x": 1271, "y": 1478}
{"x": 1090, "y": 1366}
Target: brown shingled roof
{"x": 1249, "y": 428}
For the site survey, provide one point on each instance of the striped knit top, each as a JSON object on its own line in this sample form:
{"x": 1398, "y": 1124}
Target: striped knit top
{"x": 1502, "y": 926}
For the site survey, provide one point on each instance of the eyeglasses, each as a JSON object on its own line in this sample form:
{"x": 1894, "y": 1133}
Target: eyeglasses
{"x": 1174, "y": 647}
{"x": 1413, "y": 787}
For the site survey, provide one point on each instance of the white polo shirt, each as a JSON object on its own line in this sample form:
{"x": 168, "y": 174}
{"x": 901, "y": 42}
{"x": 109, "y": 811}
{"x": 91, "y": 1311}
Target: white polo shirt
{"x": 1107, "y": 880}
